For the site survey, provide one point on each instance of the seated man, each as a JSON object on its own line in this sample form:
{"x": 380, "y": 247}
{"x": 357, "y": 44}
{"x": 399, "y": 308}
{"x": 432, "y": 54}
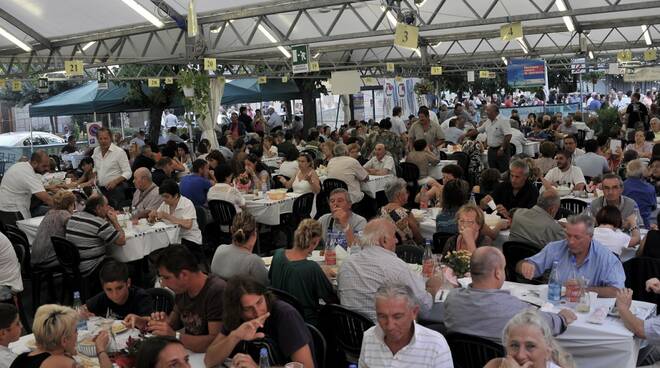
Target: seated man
{"x": 197, "y": 314}
{"x": 196, "y": 185}
{"x": 483, "y": 308}
{"x": 91, "y": 230}
{"x": 648, "y": 329}
{"x": 636, "y": 188}
{"x": 537, "y": 226}
{"x": 381, "y": 163}
{"x": 10, "y": 331}
{"x": 146, "y": 197}
{"x": 564, "y": 174}
{"x": 517, "y": 192}
{"x": 163, "y": 171}
{"x": 341, "y": 217}
{"x": 145, "y": 159}
{"x": 20, "y": 182}
{"x": 397, "y": 337}
{"x": 613, "y": 196}
{"x": 592, "y": 163}
{"x": 349, "y": 170}
{"x": 362, "y": 273}
{"x": 119, "y": 298}
{"x": 251, "y": 312}
{"x": 422, "y": 157}
{"x": 570, "y": 145}
{"x": 579, "y": 255}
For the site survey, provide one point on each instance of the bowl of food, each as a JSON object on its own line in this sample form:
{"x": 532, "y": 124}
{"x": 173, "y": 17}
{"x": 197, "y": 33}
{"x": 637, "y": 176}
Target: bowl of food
{"x": 87, "y": 347}
{"x": 492, "y": 219}
{"x": 563, "y": 190}
{"x": 276, "y": 194}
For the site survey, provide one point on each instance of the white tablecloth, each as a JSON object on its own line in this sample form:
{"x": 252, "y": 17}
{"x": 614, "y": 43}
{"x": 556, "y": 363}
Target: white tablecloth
{"x": 275, "y": 162}
{"x": 531, "y": 148}
{"x": 73, "y": 158}
{"x": 141, "y": 240}
{"x": 375, "y": 184}
{"x": 427, "y": 228}
{"x": 267, "y": 211}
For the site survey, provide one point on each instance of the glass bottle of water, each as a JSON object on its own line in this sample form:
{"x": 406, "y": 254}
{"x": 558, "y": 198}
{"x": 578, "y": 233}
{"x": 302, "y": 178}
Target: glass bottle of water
{"x": 638, "y": 217}
{"x": 427, "y": 262}
{"x": 587, "y": 211}
{"x": 554, "y": 284}
{"x": 78, "y": 307}
{"x": 263, "y": 358}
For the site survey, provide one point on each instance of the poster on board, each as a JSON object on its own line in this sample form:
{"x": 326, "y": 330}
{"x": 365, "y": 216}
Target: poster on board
{"x": 525, "y": 73}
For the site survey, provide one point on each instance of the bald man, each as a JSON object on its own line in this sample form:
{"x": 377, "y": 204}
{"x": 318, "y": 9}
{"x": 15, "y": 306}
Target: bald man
{"x": 20, "y": 182}
{"x": 381, "y": 162}
{"x": 146, "y": 197}
{"x": 483, "y": 308}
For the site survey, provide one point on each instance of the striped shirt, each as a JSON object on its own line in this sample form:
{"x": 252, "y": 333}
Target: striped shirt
{"x": 427, "y": 348}
{"x": 90, "y": 234}
{"x": 361, "y": 274}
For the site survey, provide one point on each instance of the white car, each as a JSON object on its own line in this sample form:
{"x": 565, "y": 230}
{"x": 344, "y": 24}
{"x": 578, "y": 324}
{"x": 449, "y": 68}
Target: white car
{"x": 21, "y": 139}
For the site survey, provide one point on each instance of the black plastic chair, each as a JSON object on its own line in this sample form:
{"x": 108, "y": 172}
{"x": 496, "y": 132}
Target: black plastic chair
{"x": 575, "y": 206}
{"x": 302, "y": 209}
{"x": 69, "y": 258}
{"x": 512, "y": 149}
{"x": 439, "y": 241}
{"x": 320, "y": 345}
{"x": 410, "y": 173}
{"x": 469, "y": 351}
{"x": 223, "y": 214}
{"x": 580, "y": 138}
{"x": 23, "y": 255}
{"x": 330, "y": 184}
{"x": 638, "y": 270}
{"x": 345, "y": 329}
{"x": 515, "y": 252}
{"x": 462, "y": 160}
{"x": 163, "y": 299}
{"x": 289, "y": 299}
{"x": 410, "y": 253}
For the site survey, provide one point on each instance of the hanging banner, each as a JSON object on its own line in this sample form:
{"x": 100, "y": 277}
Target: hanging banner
{"x": 390, "y": 67}
{"x": 406, "y": 36}
{"x": 210, "y": 64}
{"x": 578, "y": 66}
{"x": 511, "y": 31}
{"x": 153, "y": 82}
{"x": 102, "y": 78}
{"x": 436, "y": 70}
{"x": 42, "y": 85}
{"x": 470, "y": 76}
{"x": 92, "y": 129}
{"x": 613, "y": 68}
{"x": 525, "y": 73}
{"x": 650, "y": 55}
{"x": 300, "y": 59}
{"x": 73, "y": 68}
{"x": 358, "y": 106}
{"x": 642, "y": 74}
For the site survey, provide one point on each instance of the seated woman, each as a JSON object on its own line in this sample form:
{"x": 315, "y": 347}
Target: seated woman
{"x": 223, "y": 190}
{"x": 608, "y": 232}
{"x": 162, "y": 351}
{"x": 54, "y": 223}
{"x": 56, "y": 338}
{"x": 305, "y": 180}
{"x": 215, "y": 158}
{"x": 407, "y": 227}
{"x": 292, "y": 272}
{"x": 184, "y": 156}
{"x": 203, "y": 148}
{"x": 85, "y": 173}
{"x": 643, "y": 147}
{"x": 327, "y": 148}
{"x": 454, "y": 195}
{"x": 257, "y": 171}
{"x": 472, "y": 230}
{"x": 178, "y": 210}
{"x": 528, "y": 342}
{"x": 237, "y": 258}
{"x": 547, "y": 159}
{"x": 289, "y": 167}
{"x": 251, "y": 312}
{"x": 269, "y": 150}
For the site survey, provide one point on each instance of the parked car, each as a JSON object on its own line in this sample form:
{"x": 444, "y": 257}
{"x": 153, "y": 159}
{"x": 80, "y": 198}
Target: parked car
{"x": 21, "y": 139}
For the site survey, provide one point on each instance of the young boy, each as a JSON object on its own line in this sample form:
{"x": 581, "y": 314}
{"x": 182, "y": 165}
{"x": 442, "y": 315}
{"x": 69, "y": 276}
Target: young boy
{"x": 10, "y": 331}
{"x": 118, "y": 298}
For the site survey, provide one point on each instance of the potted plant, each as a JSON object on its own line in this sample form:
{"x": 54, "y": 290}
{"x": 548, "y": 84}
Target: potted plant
{"x": 459, "y": 261}
{"x": 186, "y": 81}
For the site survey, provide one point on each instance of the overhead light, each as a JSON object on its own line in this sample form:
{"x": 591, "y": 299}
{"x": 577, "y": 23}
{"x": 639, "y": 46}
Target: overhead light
{"x": 144, "y": 13}
{"x": 505, "y": 61}
{"x": 523, "y": 44}
{"x": 14, "y": 40}
{"x": 420, "y": 3}
{"x": 418, "y": 52}
{"x": 88, "y": 45}
{"x": 591, "y": 55}
{"x": 316, "y": 55}
{"x": 647, "y": 35}
{"x": 390, "y": 16}
{"x": 272, "y": 39}
{"x": 215, "y": 29}
{"x": 567, "y": 20}
{"x": 437, "y": 44}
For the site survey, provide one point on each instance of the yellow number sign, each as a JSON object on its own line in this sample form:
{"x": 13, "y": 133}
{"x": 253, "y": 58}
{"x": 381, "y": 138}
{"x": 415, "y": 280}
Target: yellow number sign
{"x": 650, "y": 55}
{"x": 169, "y": 80}
{"x": 625, "y": 55}
{"x": 16, "y": 86}
{"x": 511, "y": 31}
{"x": 436, "y": 70}
{"x": 210, "y": 64}
{"x": 314, "y": 66}
{"x": 154, "y": 82}
{"x": 285, "y": 79}
{"x": 3, "y": 83}
{"x": 390, "y": 67}
{"x": 262, "y": 80}
{"x": 406, "y": 36}
{"x": 73, "y": 67}
{"x": 484, "y": 74}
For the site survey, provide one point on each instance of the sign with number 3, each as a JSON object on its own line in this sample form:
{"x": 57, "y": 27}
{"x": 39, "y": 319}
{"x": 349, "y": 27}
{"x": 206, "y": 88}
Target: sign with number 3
{"x": 406, "y": 36}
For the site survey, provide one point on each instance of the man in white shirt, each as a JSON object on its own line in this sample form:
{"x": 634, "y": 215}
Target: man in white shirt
{"x": 454, "y": 131}
{"x": 381, "y": 163}
{"x": 348, "y": 170}
{"x": 20, "y": 182}
{"x": 570, "y": 145}
{"x": 498, "y": 137}
{"x": 518, "y": 140}
{"x": 398, "y": 126}
{"x": 139, "y": 139}
{"x": 170, "y": 120}
{"x": 274, "y": 119}
{"x": 592, "y": 163}
{"x": 398, "y": 338}
{"x": 564, "y": 174}
{"x": 112, "y": 168}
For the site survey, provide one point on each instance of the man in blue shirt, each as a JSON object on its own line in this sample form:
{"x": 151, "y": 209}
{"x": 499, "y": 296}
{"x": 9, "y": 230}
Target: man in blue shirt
{"x": 579, "y": 253}
{"x": 196, "y": 185}
{"x": 639, "y": 190}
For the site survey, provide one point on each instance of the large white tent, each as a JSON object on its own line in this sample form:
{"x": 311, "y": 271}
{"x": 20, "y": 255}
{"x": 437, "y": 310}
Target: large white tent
{"x": 244, "y": 35}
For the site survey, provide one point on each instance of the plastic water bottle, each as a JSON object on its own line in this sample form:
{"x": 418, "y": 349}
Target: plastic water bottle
{"x": 78, "y": 307}
{"x": 427, "y": 262}
{"x": 554, "y": 284}
{"x": 587, "y": 211}
{"x": 472, "y": 199}
{"x": 638, "y": 217}
{"x": 264, "y": 189}
{"x": 263, "y": 358}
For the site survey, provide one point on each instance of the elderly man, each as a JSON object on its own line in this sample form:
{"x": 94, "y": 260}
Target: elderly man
{"x": 163, "y": 171}
{"x": 170, "y": 136}
{"x": 145, "y": 159}
{"x": 19, "y": 183}
{"x": 362, "y": 273}
{"x": 636, "y": 188}
{"x": 341, "y": 218}
{"x": 592, "y": 163}
{"x": 455, "y": 129}
{"x": 392, "y": 141}
{"x": 498, "y": 137}
{"x": 381, "y": 163}
{"x": 398, "y": 338}
{"x": 655, "y": 127}
{"x": 146, "y": 197}
{"x": 537, "y": 225}
{"x": 348, "y": 170}
{"x": 517, "y": 192}
{"x": 567, "y": 127}
{"x": 274, "y": 120}
{"x": 196, "y": 185}
{"x": 483, "y": 308}
{"x": 112, "y": 168}
{"x": 613, "y": 196}
{"x": 424, "y": 128}
{"x": 92, "y": 230}
{"x": 564, "y": 174}
{"x": 579, "y": 255}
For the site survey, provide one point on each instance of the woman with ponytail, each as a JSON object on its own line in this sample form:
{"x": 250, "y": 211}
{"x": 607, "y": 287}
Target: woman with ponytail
{"x": 237, "y": 258}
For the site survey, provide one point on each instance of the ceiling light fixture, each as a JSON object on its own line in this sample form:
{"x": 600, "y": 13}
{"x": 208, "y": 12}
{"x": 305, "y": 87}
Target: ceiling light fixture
{"x": 144, "y": 13}
{"x": 88, "y": 45}
{"x": 591, "y": 55}
{"x": 505, "y": 61}
{"x": 215, "y": 29}
{"x": 316, "y": 55}
{"x": 272, "y": 39}
{"x": 4, "y": 33}
{"x": 390, "y": 16}
{"x": 567, "y": 20}
{"x": 647, "y": 35}
{"x": 418, "y": 52}
{"x": 523, "y": 44}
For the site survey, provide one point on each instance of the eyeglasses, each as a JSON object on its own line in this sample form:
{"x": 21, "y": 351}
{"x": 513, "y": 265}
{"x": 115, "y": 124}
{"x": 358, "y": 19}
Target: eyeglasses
{"x": 464, "y": 222}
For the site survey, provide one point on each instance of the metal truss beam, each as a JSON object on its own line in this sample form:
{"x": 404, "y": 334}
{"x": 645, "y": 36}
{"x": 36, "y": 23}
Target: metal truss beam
{"x": 24, "y": 28}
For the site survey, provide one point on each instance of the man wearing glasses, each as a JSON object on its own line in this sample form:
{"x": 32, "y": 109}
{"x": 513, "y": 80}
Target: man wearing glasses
{"x": 613, "y": 196}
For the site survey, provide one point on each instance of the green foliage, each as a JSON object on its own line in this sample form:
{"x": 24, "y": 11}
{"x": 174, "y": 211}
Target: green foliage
{"x": 424, "y": 87}
{"x": 608, "y": 118}
{"x": 30, "y": 94}
{"x": 199, "y": 81}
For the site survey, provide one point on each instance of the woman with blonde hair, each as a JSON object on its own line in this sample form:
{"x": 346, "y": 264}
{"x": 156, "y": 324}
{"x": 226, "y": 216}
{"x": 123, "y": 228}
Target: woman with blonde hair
{"x": 56, "y": 338}
{"x": 292, "y": 272}
{"x": 529, "y": 343}
{"x": 54, "y": 223}
{"x": 237, "y": 258}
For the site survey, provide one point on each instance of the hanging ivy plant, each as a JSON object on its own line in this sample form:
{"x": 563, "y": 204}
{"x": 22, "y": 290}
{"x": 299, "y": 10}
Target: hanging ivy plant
{"x": 424, "y": 87}
{"x": 199, "y": 102}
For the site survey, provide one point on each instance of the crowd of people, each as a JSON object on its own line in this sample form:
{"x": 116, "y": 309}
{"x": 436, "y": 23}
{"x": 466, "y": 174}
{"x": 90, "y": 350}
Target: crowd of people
{"x": 223, "y": 300}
